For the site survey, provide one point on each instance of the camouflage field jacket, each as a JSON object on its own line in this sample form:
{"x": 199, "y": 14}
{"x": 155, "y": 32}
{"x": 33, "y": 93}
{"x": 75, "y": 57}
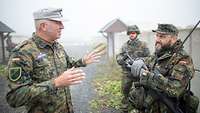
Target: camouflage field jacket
{"x": 31, "y": 68}
{"x": 171, "y": 80}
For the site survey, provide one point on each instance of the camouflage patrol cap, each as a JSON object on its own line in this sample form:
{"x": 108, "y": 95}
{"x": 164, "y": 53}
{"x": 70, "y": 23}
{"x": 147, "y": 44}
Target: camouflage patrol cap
{"x": 166, "y": 29}
{"x": 49, "y": 13}
{"x": 133, "y": 28}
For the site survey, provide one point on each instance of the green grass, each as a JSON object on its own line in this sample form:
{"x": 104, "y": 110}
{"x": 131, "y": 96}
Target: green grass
{"x": 108, "y": 87}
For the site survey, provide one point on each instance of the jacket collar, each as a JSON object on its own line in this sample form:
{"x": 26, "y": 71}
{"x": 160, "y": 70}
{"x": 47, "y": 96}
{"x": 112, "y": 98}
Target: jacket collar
{"x": 41, "y": 43}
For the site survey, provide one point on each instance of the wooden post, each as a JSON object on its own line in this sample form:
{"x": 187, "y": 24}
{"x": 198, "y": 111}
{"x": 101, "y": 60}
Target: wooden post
{"x": 1, "y": 56}
{"x": 3, "y": 48}
{"x": 110, "y": 41}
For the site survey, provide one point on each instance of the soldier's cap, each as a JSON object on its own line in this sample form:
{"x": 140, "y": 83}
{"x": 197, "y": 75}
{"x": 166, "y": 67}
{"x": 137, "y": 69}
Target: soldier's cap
{"x": 166, "y": 29}
{"x": 50, "y": 14}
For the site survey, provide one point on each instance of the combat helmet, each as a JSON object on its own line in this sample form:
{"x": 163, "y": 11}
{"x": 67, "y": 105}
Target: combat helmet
{"x": 133, "y": 28}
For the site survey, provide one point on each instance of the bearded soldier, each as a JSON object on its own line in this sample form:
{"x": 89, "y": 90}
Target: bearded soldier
{"x": 165, "y": 76}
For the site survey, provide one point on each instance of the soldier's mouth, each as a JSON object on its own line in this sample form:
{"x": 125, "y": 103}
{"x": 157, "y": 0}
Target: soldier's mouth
{"x": 59, "y": 32}
{"x": 158, "y": 45}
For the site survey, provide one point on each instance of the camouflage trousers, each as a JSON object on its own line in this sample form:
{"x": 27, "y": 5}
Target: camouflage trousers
{"x": 127, "y": 84}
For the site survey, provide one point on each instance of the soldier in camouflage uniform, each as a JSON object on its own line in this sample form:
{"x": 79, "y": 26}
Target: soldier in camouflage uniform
{"x": 135, "y": 48}
{"x": 40, "y": 71}
{"x": 160, "y": 73}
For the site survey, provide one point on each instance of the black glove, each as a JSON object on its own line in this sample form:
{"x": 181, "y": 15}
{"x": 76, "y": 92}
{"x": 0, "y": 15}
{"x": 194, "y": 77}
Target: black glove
{"x": 151, "y": 78}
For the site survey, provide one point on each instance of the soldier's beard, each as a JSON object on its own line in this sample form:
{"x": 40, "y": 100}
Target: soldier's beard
{"x": 160, "y": 49}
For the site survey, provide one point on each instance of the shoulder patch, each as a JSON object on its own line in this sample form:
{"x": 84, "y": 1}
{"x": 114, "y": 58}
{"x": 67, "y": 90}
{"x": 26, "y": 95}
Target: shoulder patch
{"x": 15, "y": 73}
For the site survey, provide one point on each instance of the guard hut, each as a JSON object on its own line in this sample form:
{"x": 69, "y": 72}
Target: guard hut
{"x": 108, "y": 31}
{"x": 4, "y": 34}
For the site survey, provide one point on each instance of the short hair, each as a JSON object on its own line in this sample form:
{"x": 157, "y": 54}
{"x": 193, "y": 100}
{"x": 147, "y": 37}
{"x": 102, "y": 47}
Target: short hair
{"x": 38, "y": 22}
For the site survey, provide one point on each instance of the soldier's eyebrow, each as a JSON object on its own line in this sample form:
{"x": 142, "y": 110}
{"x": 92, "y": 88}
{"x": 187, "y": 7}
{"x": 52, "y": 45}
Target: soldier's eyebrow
{"x": 160, "y": 35}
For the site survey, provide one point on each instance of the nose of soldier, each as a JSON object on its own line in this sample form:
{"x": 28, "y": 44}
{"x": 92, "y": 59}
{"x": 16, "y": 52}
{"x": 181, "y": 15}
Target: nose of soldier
{"x": 157, "y": 40}
{"x": 61, "y": 25}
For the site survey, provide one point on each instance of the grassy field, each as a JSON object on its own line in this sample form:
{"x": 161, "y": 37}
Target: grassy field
{"x": 108, "y": 87}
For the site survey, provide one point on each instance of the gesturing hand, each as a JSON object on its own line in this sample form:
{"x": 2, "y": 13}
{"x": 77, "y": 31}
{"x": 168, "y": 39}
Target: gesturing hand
{"x": 95, "y": 55}
{"x": 69, "y": 77}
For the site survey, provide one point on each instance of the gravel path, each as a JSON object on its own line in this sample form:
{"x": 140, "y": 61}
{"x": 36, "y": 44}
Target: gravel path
{"x": 83, "y": 93}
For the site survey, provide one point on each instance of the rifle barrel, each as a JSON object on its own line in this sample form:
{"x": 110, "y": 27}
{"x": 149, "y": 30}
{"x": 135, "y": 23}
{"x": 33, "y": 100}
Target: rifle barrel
{"x": 190, "y": 33}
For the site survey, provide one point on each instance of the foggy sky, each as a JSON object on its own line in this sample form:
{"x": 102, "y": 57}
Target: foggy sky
{"x": 87, "y": 17}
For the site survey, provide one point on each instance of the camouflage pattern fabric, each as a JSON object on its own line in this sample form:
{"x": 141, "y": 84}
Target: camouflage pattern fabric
{"x": 171, "y": 81}
{"x": 169, "y": 29}
{"x": 31, "y": 68}
{"x": 135, "y": 49}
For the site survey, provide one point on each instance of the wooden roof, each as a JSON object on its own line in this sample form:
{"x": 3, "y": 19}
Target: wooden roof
{"x": 4, "y": 28}
{"x": 115, "y": 25}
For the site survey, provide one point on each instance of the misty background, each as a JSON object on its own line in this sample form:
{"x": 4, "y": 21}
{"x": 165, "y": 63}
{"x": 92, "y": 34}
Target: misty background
{"x": 86, "y": 18}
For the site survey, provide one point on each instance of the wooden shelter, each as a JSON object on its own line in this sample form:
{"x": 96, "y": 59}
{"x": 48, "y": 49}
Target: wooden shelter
{"x": 4, "y": 34}
{"x": 109, "y": 30}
